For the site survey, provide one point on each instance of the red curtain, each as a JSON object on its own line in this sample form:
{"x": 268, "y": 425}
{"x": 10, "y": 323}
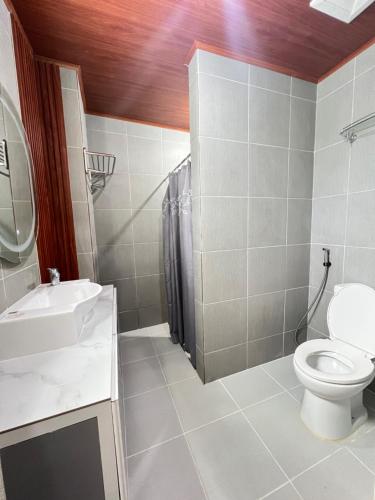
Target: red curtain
{"x": 43, "y": 118}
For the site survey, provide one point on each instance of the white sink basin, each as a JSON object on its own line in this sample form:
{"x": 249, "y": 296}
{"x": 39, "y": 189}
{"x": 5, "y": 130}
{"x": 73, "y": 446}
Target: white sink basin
{"x": 49, "y": 317}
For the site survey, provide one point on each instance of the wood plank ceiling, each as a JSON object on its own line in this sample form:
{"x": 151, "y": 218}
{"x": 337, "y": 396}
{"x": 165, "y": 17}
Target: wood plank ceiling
{"x": 133, "y": 52}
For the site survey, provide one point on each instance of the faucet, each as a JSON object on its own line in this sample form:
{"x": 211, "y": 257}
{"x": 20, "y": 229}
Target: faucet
{"x": 54, "y": 276}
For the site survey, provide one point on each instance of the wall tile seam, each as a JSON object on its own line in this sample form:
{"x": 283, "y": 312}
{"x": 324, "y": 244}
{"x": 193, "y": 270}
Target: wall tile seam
{"x": 254, "y": 247}
{"x": 6, "y": 276}
{"x": 286, "y": 198}
{"x": 331, "y": 145}
{"x": 248, "y": 208}
{"x": 348, "y": 191}
{"x": 250, "y": 84}
{"x": 140, "y": 307}
{"x": 318, "y": 331}
{"x": 249, "y": 342}
{"x": 244, "y": 298}
{"x": 126, "y": 135}
{"x": 105, "y": 132}
{"x": 357, "y": 75}
{"x": 336, "y": 89}
{"x": 242, "y": 344}
{"x": 251, "y": 143}
{"x": 348, "y": 182}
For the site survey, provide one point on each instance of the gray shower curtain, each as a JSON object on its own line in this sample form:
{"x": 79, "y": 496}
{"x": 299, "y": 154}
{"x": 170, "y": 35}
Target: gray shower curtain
{"x": 178, "y": 259}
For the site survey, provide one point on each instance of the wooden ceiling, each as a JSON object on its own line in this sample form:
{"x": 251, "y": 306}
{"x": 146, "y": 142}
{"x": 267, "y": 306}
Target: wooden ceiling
{"x": 133, "y": 52}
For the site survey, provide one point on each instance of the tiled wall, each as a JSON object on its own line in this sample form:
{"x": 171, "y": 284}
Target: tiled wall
{"x": 76, "y": 140}
{"x": 15, "y": 280}
{"x": 252, "y": 135}
{"x": 344, "y": 183}
{"x": 128, "y": 215}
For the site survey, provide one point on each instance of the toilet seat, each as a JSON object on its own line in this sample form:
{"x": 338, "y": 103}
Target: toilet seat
{"x": 334, "y": 362}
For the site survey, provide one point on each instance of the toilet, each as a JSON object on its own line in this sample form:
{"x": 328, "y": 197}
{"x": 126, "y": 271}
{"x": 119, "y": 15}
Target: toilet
{"x": 335, "y": 371}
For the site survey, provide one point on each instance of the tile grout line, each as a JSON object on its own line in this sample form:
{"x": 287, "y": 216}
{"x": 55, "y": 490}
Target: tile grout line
{"x": 125, "y": 137}
{"x": 256, "y": 433}
{"x": 287, "y": 218}
{"x": 348, "y": 183}
{"x": 200, "y": 479}
{"x": 249, "y": 165}
{"x": 359, "y": 460}
{"x": 293, "y": 478}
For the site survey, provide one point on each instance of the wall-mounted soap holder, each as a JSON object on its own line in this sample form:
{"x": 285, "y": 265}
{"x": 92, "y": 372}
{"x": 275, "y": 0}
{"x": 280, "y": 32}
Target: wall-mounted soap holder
{"x": 98, "y": 166}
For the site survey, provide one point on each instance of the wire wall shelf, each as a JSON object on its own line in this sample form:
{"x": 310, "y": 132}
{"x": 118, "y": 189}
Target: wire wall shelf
{"x": 98, "y": 167}
{"x": 350, "y": 132}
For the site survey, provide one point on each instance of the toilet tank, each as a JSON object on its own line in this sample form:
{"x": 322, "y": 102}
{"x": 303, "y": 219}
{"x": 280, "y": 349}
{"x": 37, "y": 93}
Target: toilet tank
{"x": 351, "y": 316}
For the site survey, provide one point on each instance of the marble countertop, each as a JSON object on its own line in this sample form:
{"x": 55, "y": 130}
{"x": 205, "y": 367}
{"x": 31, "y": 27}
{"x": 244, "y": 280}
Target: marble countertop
{"x": 46, "y": 384}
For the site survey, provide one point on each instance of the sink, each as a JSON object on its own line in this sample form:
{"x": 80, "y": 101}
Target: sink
{"x": 49, "y": 317}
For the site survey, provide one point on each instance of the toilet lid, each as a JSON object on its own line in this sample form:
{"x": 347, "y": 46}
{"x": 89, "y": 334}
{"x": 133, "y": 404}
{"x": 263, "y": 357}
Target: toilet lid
{"x": 351, "y": 316}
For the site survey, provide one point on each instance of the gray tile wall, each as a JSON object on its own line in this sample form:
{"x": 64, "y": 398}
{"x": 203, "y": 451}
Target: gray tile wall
{"x": 252, "y": 135}
{"x": 128, "y": 214}
{"x": 15, "y": 279}
{"x": 343, "y": 215}
{"x": 76, "y": 140}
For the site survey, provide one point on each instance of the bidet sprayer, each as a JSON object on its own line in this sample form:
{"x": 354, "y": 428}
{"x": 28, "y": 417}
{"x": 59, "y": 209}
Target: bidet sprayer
{"x": 326, "y": 261}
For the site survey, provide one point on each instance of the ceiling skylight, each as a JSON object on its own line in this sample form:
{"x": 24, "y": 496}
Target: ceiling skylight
{"x": 344, "y": 10}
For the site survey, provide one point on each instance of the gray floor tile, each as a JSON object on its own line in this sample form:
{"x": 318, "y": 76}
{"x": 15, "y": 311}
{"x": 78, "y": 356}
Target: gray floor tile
{"x": 232, "y": 461}
{"x": 176, "y": 366}
{"x": 287, "y": 492}
{"x": 340, "y": 477}
{"x": 199, "y": 404}
{"x": 279, "y": 424}
{"x": 150, "y": 419}
{"x": 282, "y": 370}
{"x": 362, "y": 443}
{"x": 163, "y": 345}
{"x": 135, "y": 349}
{"x": 142, "y": 376}
{"x": 164, "y": 473}
{"x": 251, "y": 386}
{"x": 297, "y": 392}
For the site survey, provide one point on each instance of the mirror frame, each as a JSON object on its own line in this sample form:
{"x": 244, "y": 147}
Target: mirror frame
{"x": 7, "y": 102}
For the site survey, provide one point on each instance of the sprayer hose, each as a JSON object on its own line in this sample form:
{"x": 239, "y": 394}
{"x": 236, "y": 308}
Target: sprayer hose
{"x": 316, "y": 302}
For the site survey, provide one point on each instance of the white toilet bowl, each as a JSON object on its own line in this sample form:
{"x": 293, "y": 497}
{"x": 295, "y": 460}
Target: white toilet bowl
{"x": 334, "y": 371}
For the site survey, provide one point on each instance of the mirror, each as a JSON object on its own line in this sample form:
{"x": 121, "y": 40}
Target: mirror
{"x": 18, "y": 218}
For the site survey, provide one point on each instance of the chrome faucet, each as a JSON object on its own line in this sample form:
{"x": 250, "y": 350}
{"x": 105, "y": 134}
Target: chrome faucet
{"x": 54, "y": 276}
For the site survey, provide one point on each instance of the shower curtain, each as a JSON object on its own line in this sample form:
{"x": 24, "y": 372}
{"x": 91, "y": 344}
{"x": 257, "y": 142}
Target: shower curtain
{"x": 178, "y": 259}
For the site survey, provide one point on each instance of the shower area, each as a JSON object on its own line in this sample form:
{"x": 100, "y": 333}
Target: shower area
{"x": 272, "y": 184}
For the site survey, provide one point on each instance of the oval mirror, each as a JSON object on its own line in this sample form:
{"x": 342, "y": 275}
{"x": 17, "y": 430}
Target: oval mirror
{"x": 18, "y": 217}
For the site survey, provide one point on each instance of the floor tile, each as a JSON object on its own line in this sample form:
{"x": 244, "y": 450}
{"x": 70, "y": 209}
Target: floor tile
{"x": 232, "y": 461}
{"x": 287, "y": 492}
{"x": 297, "y": 392}
{"x": 362, "y": 444}
{"x": 251, "y": 386}
{"x": 199, "y": 404}
{"x": 176, "y": 366}
{"x": 166, "y": 472}
{"x": 164, "y": 345}
{"x": 279, "y": 424}
{"x": 142, "y": 376}
{"x": 135, "y": 349}
{"x": 150, "y": 419}
{"x": 282, "y": 370}
{"x": 339, "y": 477}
